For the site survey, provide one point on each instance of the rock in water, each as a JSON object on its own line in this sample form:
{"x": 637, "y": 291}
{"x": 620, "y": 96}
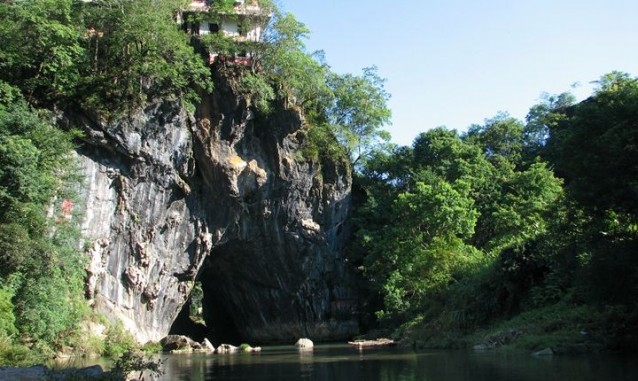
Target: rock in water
{"x": 178, "y": 343}
{"x": 544, "y": 352}
{"x": 304, "y": 343}
{"x": 226, "y": 348}
{"x": 208, "y": 346}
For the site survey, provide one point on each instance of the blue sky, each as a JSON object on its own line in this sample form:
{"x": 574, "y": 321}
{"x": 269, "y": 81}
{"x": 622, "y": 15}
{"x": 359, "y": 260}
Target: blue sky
{"x": 458, "y": 62}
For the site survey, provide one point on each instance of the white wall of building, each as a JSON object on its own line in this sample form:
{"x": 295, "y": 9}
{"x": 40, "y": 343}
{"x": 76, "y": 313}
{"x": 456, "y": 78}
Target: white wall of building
{"x": 230, "y": 27}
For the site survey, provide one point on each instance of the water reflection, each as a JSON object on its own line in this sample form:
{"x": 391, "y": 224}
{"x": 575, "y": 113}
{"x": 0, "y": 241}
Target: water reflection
{"x": 306, "y": 359}
{"x": 392, "y": 364}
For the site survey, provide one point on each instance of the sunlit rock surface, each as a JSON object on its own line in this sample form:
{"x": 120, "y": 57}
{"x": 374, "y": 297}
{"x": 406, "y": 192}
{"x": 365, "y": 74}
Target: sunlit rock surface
{"x": 225, "y": 197}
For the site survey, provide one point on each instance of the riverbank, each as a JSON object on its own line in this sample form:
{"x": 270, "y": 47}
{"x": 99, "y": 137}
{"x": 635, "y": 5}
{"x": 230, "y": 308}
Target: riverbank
{"x": 563, "y": 328}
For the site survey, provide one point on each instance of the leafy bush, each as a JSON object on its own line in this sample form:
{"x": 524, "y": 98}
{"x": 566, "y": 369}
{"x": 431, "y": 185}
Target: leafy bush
{"x": 7, "y": 318}
{"x": 16, "y": 354}
{"x": 259, "y": 90}
{"x": 131, "y": 362}
{"x": 42, "y": 292}
{"x": 118, "y": 341}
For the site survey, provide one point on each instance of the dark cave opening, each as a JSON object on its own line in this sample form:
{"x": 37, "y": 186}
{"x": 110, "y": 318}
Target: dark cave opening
{"x": 222, "y": 327}
{"x": 186, "y": 326}
{"x": 204, "y": 316}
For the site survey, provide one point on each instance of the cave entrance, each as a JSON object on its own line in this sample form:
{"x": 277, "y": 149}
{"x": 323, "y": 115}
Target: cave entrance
{"x": 190, "y": 320}
{"x": 204, "y": 316}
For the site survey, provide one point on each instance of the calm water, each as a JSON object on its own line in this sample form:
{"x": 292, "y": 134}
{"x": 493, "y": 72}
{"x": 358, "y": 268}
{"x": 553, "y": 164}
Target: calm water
{"x": 342, "y": 362}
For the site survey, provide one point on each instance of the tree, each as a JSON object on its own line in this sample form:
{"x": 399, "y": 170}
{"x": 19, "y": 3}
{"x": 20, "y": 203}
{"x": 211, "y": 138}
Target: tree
{"x": 417, "y": 254}
{"x": 540, "y": 119}
{"x": 7, "y": 318}
{"x": 345, "y": 109}
{"x": 299, "y": 78}
{"x": 41, "y": 48}
{"x": 40, "y": 260}
{"x": 452, "y": 213}
{"x": 32, "y": 154}
{"x": 595, "y": 148}
{"x": 136, "y": 53}
{"x": 359, "y": 111}
{"x": 519, "y": 215}
{"x": 500, "y": 138}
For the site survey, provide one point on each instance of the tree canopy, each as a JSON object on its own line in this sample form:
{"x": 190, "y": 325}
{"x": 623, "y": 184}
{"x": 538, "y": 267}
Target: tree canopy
{"x": 458, "y": 231}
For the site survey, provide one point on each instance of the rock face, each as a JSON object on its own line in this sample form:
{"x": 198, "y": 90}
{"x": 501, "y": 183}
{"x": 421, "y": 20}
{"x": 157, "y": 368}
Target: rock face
{"x": 225, "y": 198}
{"x": 183, "y": 344}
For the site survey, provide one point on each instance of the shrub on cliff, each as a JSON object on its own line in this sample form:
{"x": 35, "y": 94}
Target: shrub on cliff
{"x": 41, "y": 280}
{"x": 108, "y": 56}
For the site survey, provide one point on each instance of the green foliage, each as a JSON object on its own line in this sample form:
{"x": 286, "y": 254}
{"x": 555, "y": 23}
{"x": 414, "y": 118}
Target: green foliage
{"x": 109, "y": 56}
{"x": 466, "y": 216}
{"x": 118, "y": 341}
{"x": 458, "y": 232}
{"x": 564, "y": 327}
{"x": 31, "y": 151}
{"x": 520, "y": 213}
{"x": 43, "y": 268}
{"x": 196, "y": 313}
{"x": 299, "y": 77}
{"x": 41, "y": 48}
{"x": 421, "y": 249}
{"x": 595, "y": 147}
{"x": 500, "y": 137}
{"x": 221, "y": 6}
{"x": 443, "y": 153}
{"x": 16, "y": 249}
{"x": 137, "y": 53}
{"x": 152, "y": 347}
{"x": 359, "y": 111}
{"x": 132, "y": 363}
{"x": 540, "y": 119}
{"x": 17, "y": 354}
{"x": 220, "y": 44}
{"x": 259, "y": 90}
{"x": 7, "y": 318}
{"x": 348, "y": 115}
{"x": 322, "y": 144}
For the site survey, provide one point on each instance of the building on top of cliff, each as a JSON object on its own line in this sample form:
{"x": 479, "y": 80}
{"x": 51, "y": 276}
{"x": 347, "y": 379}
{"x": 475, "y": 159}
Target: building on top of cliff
{"x": 242, "y": 21}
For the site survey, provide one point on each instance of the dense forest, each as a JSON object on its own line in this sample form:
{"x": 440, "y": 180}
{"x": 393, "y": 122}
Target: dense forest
{"x": 532, "y": 221}
{"x": 513, "y": 230}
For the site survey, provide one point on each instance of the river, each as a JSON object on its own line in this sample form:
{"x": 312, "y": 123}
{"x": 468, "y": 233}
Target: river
{"x": 342, "y": 362}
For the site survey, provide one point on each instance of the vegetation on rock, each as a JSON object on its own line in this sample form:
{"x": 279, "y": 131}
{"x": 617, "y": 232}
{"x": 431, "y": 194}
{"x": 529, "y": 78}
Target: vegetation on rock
{"x": 108, "y": 59}
{"x": 452, "y": 234}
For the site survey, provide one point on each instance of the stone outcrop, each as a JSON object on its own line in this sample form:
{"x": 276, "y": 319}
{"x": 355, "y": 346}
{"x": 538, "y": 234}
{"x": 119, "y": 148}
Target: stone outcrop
{"x": 227, "y": 348}
{"x": 207, "y": 346}
{"x": 183, "y": 344}
{"x": 226, "y": 198}
{"x": 304, "y": 343}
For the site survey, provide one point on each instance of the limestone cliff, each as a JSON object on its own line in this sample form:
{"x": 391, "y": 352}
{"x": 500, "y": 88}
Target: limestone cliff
{"x": 225, "y": 197}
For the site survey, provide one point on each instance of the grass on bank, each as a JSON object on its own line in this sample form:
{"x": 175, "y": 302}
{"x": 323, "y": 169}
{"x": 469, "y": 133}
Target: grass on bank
{"x": 563, "y": 327}
{"x": 113, "y": 343}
